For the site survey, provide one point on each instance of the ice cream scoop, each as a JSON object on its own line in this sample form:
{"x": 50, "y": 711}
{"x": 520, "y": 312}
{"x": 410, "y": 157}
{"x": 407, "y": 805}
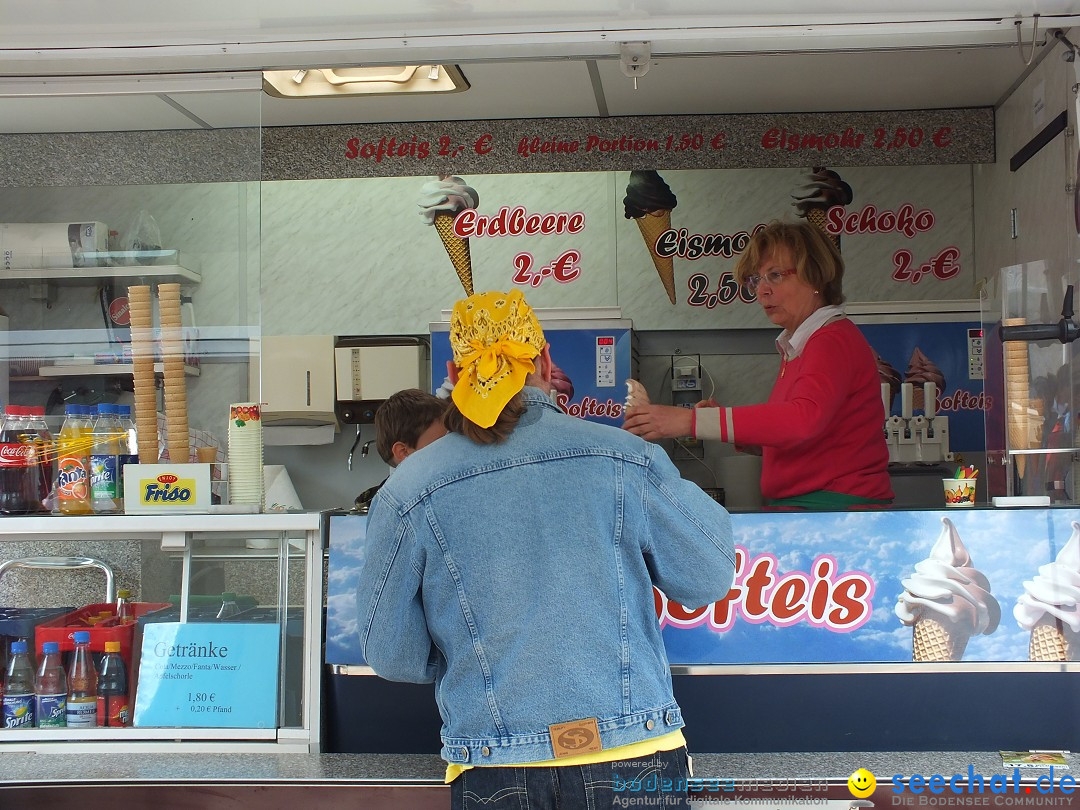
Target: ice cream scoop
{"x": 1048, "y": 607}
{"x": 946, "y": 601}
{"x": 440, "y": 201}
{"x": 648, "y": 202}
{"x": 922, "y": 369}
{"x": 822, "y": 190}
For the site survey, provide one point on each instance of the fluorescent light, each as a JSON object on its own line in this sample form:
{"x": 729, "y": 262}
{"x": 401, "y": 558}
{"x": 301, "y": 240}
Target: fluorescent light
{"x": 364, "y": 80}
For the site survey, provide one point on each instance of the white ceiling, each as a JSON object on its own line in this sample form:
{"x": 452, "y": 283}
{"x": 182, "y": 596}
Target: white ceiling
{"x": 523, "y": 59}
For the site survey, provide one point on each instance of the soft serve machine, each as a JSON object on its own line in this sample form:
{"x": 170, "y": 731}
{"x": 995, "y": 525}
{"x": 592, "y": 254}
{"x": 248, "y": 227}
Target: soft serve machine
{"x": 916, "y": 438}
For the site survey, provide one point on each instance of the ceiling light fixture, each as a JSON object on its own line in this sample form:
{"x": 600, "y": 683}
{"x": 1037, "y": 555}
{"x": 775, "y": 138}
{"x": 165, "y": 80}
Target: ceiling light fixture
{"x": 364, "y": 80}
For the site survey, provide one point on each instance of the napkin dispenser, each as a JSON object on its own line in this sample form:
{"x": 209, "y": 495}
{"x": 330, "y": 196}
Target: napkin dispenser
{"x": 294, "y": 375}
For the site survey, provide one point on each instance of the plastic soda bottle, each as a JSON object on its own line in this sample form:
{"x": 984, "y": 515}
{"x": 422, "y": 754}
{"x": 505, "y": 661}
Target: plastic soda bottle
{"x": 38, "y": 430}
{"x": 82, "y": 685}
{"x": 73, "y": 464}
{"x": 123, "y": 606}
{"x": 18, "y": 706}
{"x": 18, "y": 468}
{"x": 228, "y": 608}
{"x": 112, "y": 691}
{"x": 106, "y": 496}
{"x": 50, "y": 688}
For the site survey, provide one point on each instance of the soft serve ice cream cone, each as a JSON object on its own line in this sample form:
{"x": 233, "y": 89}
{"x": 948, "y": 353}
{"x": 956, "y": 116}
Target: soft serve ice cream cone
{"x": 440, "y": 201}
{"x": 822, "y": 190}
{"x": 946, "y": 601}
{"x": 1049, "y": 606}
{"x": 648, "y": 202}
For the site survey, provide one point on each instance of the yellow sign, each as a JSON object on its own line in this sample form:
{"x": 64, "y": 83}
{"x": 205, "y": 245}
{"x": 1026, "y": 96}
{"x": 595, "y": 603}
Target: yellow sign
{"x": 166, "y": 488}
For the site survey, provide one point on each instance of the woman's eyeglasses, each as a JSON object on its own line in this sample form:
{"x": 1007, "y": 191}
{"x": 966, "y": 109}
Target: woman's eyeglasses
{"x": 772, "y": 278}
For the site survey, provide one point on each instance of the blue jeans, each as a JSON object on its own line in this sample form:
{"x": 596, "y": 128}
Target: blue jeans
{"x": 657, "y": 781}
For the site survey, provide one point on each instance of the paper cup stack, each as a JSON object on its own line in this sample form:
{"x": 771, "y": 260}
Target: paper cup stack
{"x": 1017, "y": 395}
{"x": 245, "y": 453}
{"x": 142, "y": 353}
{"x": 172, "y": 353}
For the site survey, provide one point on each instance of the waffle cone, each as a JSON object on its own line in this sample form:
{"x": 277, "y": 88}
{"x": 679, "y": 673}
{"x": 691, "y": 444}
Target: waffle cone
{"x": 1053, "y": 640}
{"x": 935, "y": 641}
{"x": 146, "y": 435}
{"x": 651, "y": 226}
{"x": 816, "y": 217}
{"x": 1017, "y": 395}
{"x": 457, "y": 249}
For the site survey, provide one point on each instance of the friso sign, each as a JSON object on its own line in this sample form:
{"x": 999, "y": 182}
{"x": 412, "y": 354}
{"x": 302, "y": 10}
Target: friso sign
{"x": 166, "y": 488}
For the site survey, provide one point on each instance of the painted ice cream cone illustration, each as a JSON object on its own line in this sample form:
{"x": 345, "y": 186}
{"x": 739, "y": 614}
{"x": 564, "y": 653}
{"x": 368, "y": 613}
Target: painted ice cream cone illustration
{"x": 1017, "y": 395}
{"x": 1050, "y": 606}
{"x": 946, "y": 601}
{"x": 889, "y": 376}
{"x": 562, "y": 384}
{"x": 822, "y": 190}
{"x": 648, "y": 202}
{"x": 440, "y": 201}
{"x": 921, "y": 369}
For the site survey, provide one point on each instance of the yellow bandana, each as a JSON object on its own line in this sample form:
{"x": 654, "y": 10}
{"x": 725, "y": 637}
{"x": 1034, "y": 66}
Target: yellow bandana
{"x": 494, "y": 337}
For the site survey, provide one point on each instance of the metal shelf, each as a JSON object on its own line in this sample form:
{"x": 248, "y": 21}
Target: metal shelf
{"x": 105, "y": 370}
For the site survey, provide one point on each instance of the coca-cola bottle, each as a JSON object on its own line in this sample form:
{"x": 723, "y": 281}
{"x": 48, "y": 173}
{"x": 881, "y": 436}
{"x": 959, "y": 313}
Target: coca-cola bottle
{"x": 18, "y": 484}
{"x": 43, "y": 442}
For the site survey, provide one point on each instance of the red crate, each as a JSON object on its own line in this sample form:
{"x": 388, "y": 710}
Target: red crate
{"x": 62, "y": 629}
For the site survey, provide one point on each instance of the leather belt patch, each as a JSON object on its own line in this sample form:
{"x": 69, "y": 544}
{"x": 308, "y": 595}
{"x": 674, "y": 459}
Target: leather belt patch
{"x": 575, "y": 737}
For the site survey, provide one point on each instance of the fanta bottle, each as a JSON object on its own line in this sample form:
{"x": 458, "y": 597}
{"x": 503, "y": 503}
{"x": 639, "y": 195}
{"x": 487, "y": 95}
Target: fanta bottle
{"x": 73, "y": 464}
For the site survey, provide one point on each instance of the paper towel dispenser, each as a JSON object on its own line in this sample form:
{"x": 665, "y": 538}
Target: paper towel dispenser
{"x": 370, "y": 369}
{"x": 295, "y": 381}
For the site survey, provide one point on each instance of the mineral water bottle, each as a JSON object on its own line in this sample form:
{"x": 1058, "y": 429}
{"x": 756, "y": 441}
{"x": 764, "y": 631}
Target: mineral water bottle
{"x": 18, "y": 706}
{"x": 50, "y": 688}
{"x": 82, "y": 685}
{"x": 73, "y": 464}
{"x": 112, "y": 691}
{"x": 105, "y": 494}
{"x": 228, "y": 608}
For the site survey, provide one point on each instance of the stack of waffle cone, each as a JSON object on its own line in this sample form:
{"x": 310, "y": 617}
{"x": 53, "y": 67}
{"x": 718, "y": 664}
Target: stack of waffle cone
{"x": 1017, "y": 395}
{"x": 172, "y": 353}
{"x": 142, "y": 352}
{"x": 651, "y": 226}
{"x": 457, "y": 248}
{"x": 1053, "y": 640}
{"x": 934, "y": 640}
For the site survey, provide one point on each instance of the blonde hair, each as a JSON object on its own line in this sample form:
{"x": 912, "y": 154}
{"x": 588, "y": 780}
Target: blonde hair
{"x": 816, "y": 259}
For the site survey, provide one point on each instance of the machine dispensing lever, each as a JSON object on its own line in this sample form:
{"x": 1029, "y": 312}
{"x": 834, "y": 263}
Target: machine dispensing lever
{"x": 1064, "y": 330}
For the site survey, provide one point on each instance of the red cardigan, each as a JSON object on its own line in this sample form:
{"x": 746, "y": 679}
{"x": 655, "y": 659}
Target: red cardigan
{"x": 823, "y": 426}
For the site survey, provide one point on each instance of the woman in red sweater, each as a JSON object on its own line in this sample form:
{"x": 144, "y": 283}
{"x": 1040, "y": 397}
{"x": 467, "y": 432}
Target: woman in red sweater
{"x": 821, "y": 433}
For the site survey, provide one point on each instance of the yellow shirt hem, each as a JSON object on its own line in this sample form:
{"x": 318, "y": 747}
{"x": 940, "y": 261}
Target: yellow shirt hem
{"x": 638, "y": 750}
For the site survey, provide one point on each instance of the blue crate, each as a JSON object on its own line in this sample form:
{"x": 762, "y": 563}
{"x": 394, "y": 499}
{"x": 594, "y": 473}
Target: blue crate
{"x": 19, "y": 623}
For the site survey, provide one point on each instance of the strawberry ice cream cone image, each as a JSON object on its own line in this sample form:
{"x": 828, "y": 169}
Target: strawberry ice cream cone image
{"x": 1050, "y": 606}
{"x": 946, "y": 601}
{"x": 822, "y": 190}
{"x": 648, "y": 202}
{"x": 440, "y": 201}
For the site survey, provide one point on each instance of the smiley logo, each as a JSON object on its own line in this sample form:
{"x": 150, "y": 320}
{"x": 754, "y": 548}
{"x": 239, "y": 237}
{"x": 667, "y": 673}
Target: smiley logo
{"x": 861, "y": 783}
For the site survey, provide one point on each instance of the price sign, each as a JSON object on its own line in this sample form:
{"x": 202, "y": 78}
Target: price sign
{"x": 213, "y": 675}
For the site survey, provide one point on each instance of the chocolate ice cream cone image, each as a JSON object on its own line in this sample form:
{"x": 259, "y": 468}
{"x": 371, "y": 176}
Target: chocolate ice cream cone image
{"x": 921, "y": 369}
{"x": 649, "y": 202}
{"x": 822, "y": 190}
{"x": 441, "y": 200}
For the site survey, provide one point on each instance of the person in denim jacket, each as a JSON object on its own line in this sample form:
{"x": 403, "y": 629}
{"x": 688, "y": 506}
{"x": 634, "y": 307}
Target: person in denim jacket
{"x": 513, "y": 561}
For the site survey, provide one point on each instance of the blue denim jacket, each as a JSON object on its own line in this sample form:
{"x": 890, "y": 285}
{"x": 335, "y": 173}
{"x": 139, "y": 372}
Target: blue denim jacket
{"x": 518, "y": 576}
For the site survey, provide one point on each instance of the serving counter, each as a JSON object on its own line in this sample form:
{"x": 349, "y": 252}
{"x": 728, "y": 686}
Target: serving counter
{"x": 803, "y": 674}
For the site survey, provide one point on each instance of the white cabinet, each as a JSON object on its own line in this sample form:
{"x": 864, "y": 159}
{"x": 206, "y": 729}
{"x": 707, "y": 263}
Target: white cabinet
{"x": 181, "y": 540}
